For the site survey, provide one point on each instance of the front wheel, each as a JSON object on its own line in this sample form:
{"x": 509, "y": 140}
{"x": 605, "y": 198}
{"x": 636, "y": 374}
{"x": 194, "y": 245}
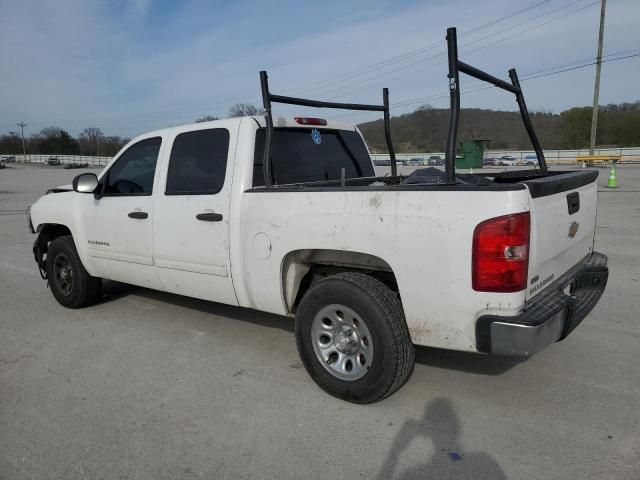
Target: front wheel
{"x": 353, "y": 339}
{"x": 70, "y": 283}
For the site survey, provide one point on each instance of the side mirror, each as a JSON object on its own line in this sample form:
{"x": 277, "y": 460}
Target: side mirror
{"x": 85, "y": 183}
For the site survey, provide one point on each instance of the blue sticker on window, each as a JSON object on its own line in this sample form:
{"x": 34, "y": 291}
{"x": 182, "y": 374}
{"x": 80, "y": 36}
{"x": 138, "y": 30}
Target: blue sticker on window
{"x": 315, "y": 136}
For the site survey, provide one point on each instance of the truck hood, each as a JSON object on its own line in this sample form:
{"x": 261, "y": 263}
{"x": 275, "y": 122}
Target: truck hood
{"x": 61, "y": 188}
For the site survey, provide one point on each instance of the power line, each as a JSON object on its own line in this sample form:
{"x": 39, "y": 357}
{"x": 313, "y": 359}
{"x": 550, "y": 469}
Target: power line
{"x": 344, "y": 76}
{"x": 536, "y": 26}
{"x": 531, "y": 76}
{"x": 577, "y": 62}
{"x": 583, "y": 66}
{"x": 379, "y": 83}
{"x": 411, "y": 53}
{"x": 191, "y": 112}
{"x": 401, "y": 57}
{"x": 555, "y": 69}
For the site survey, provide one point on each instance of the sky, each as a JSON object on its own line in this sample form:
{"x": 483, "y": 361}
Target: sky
{"x": 128, "y": 67}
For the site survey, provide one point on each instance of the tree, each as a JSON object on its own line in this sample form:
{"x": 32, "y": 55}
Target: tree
{"x": 109, "y": 146}
{"x": 91, "y": 133}
{"x": 576, "y": 127}
{"x": 11, "y": 143}
{"x": 245, "y": 110}
{"x": 89, "y": 141}
{"x": 55, "y": 140}
{"x": 206, "y": 118}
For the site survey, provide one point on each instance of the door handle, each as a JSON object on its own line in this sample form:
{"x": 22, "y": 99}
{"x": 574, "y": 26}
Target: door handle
{"x": 138, "y": 215}
{"x": 209, "y": 217}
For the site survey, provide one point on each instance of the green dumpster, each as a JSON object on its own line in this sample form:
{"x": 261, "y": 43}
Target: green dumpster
{"x": 471, "y": 153}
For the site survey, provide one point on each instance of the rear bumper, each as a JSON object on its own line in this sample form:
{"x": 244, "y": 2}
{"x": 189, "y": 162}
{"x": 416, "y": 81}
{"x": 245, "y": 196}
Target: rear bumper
{"x": 550, "y": 316}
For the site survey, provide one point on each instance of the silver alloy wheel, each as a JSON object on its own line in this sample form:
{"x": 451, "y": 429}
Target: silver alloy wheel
{"x": 342, "y": 342}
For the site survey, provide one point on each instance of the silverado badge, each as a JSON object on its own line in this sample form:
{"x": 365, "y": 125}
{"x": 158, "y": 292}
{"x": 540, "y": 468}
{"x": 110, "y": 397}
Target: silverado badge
{"x": 573, "y": 229}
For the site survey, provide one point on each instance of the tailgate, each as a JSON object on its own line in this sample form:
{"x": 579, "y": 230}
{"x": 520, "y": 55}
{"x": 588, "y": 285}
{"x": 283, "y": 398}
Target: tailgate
{"x": 563, "y": 218}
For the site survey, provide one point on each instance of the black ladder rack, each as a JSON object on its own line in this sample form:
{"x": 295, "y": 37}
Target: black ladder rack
{"x": 455, "y": 67}
{"x": 268, "y": 98}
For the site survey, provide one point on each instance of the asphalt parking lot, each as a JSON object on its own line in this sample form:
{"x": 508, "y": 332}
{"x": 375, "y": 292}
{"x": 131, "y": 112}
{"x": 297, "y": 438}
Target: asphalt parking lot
{"x": 152, "y": 385}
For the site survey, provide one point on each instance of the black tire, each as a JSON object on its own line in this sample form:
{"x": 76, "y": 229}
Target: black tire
{"x": 80, "y": 289}
{"x": 381, "y": 309}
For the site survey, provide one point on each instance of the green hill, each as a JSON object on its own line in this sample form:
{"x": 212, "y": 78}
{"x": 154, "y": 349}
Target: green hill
{"x": 425, "y": 129}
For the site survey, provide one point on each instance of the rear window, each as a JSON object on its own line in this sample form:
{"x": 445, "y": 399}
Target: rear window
{"x": 198, "y": 162}
{"x": 310, "y": 155}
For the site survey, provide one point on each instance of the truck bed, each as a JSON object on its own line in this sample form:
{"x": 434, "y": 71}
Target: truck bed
{"x": 539, "y": 183}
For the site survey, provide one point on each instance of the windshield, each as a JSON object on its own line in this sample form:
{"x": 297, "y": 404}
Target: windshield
{"x": 310, "y": 155}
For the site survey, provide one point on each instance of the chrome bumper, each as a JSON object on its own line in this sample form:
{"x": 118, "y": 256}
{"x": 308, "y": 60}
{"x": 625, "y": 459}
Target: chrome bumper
{"x": 550, "y": 316}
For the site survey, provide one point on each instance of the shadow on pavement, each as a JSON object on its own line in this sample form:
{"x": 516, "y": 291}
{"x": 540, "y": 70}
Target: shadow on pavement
{"x": 449, "y": 459}
{"x": 466, "y": 361}
{"x": 115, "y": 290}
{"x": 447, "y": 359}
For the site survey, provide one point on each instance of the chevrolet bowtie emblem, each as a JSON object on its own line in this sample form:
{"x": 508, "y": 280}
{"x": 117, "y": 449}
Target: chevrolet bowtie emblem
{"x": 573, "y": 229}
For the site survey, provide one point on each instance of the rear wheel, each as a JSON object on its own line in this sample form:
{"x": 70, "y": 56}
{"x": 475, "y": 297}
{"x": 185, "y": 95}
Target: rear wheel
{"x": 70, "y": 283}
{"x": 353, "y": 339}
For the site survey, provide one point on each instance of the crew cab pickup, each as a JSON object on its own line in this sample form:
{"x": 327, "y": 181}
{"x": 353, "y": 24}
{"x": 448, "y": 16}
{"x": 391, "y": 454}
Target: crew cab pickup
{"x": 290, "y": 217}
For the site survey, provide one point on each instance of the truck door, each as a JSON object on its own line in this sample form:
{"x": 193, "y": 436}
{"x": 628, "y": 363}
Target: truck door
{"x": 118, "y": 223}
{"x": 191, "y": 223}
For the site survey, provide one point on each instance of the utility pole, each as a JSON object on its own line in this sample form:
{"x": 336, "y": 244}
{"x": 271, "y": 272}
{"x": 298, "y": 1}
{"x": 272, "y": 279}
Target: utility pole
{"x": 596, "y": 87}
{"x": 24, "y": 148}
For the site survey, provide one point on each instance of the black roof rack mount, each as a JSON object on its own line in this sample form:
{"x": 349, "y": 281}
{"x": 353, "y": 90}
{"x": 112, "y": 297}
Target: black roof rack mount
{"x": 455, "y": 67}
{"x": 268, "y": 98}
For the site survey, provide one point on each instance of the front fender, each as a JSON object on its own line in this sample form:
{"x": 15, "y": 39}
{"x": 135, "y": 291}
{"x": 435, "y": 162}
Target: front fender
{"x": 60, "y": 214}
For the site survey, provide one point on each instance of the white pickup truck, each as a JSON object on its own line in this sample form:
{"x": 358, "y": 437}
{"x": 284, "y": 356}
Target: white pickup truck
{"x": 369, "y": 266}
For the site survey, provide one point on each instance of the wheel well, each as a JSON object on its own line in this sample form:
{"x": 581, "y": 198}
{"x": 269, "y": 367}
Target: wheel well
{"x": 50, "y": 231}
{"x": 302, "y": 268}
{"x": 47, "y": 232}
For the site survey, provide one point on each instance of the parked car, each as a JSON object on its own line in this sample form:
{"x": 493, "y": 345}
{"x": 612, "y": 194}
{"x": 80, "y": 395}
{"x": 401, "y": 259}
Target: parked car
{"x": 8, "y": 159}
{"x": 489, "y": 162}
{"x": 435, "y": 160}
{"x": 301, "y": 226}
{"x": 413, "y": 162}
{"x": 382, "y": 163}
{"x": 507, "y": 161}
{"x": 53, "y": 161}
{"x": 531, "y": 161}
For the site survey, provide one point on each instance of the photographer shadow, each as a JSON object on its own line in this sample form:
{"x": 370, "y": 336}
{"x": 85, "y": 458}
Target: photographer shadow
{"x": 439, "y": 424}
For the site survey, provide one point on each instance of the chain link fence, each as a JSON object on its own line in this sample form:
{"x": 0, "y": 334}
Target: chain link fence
{"x": 553, "y": 157}
{"x": 57, "y": 160}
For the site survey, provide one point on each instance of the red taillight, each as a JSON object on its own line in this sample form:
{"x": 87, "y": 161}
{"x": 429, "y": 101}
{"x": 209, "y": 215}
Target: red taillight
{"x": 501, "y": 254}
{"x": 310, "y": 121}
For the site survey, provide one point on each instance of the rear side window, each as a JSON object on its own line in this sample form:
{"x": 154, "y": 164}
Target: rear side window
{"x": 309, "y": 155}
{"x": 133, "y": 172}
{"x": 198, "y": 162}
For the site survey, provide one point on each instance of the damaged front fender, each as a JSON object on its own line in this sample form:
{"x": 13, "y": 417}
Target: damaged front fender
{"x": 46, "y": 234}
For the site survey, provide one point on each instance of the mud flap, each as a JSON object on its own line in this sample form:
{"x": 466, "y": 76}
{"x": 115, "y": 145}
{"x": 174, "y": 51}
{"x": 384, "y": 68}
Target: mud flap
{"x": 38, "y": 254}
